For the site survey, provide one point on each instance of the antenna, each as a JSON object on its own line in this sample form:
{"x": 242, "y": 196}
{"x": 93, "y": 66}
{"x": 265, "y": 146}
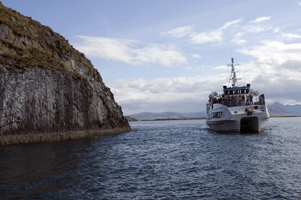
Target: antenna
{"x": 233, "y": 74}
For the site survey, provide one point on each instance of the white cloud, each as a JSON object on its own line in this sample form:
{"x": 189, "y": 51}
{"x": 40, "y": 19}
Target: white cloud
{"x": 204, "y": 37}
{"x": 222, "y": 67}
{"x": 201, "y": 67}
{"x": 276, "y": 30}
{"x": 237, "y": 39}
{"x": 275, "y": 53}
{"x": 255, "y": 28}
{"x": 211, "y": 36}
{"x": 196, "y": 56}
{"x": 276, "y": 69}
{"x": 200, "y": 37}
{"x": 299, "y": 2}
{"x": 251, "y": 29}
{"x": 182, "y": 94}
{"x": 228, "y": 24}
{"x": 131, "y": 51}
{"x": 239, "y": 34}
{"x": 260, "y": 19}
{"x": 190, "y": 94}
{"x": 179, "y": 32}
{"x": 290, "y": 36}
{"x": 197, "y": 67}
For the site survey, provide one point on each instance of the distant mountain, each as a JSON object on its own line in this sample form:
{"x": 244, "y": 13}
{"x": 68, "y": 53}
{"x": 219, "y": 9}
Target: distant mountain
{"x": 277, "y": 111}
{"x": 150, "y": 115}
{"x": 195, "y": 114}
{"x": 292, "y": 109}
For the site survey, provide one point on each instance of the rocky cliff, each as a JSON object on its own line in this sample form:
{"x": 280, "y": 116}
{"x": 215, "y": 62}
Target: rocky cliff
{"x": 49, "y": 91}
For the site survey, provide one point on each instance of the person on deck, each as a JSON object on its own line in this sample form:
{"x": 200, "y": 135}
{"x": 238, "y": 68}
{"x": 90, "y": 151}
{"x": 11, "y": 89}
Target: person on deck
{"x": 227, "y": 100}
{"x": 236, "y": 101}
{"x": 243, "y": 100}
{"x": 260, "y": 100}
{"x": 251, "y": 99}
{"x": 232, "y": 100}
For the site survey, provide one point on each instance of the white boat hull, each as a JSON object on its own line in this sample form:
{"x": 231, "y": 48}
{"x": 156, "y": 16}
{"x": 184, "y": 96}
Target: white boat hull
{"x": 237, "y": 119}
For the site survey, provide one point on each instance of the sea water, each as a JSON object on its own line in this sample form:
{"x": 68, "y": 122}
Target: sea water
{"x": 159, "y": 160}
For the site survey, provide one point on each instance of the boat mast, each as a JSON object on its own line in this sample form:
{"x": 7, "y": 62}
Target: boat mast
{"x": 233, "y": 74}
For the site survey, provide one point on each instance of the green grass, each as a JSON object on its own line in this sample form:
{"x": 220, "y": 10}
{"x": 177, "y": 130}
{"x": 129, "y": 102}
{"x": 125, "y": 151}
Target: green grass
{"x": 38, "y": 47}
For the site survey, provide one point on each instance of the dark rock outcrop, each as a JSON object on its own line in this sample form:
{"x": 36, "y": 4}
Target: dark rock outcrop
{"x": 131, "y": 119}
{"x": 49, "y": 91}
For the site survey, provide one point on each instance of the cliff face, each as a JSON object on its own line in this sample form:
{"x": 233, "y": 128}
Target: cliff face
{"x": 47, "y": 86}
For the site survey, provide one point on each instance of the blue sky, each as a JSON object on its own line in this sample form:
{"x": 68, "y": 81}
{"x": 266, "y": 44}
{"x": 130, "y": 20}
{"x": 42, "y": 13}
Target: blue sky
{"x": 169, "y": 55}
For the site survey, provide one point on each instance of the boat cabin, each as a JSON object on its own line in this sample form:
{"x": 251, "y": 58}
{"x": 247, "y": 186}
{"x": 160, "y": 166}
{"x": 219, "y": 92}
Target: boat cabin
{"x": 236, "y": 96}
{"x": 237, "y": 90}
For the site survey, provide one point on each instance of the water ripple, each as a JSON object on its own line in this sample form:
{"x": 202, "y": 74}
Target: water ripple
{"x": 159, "y": 160}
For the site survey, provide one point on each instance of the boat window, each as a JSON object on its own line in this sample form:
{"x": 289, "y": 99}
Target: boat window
{"x": 226, "y": 92}
{"x": 247, "y": 91}
{"x": 216, "y": 114}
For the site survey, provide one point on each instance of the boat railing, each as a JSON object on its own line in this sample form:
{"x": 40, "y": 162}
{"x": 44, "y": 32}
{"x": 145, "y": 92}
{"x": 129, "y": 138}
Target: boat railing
{"x": 234, "y": 102}
{"x": 242, "y": 103}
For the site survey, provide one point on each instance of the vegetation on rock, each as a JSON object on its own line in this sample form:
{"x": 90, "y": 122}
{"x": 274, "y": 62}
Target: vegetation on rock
{"x": 25, "y": 43}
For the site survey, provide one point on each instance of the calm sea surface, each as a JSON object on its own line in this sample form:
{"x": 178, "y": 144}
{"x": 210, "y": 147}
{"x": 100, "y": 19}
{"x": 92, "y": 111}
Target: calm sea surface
{"x": 159, "y": 160}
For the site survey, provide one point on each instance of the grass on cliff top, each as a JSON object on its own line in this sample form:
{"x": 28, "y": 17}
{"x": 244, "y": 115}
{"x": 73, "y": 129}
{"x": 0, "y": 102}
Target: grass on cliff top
{"x": 51, "y": 48}
{"x": 16, "y": 63}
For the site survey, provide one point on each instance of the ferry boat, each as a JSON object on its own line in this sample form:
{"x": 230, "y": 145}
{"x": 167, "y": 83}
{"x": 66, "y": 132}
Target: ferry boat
{"x": 236, "y": 108}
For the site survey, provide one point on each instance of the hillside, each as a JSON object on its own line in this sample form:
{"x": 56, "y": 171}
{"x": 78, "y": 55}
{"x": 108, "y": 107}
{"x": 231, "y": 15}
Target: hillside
{"x": 49, "y": 91}
{"x": 292, "y": 109}
{"x": 150, "y": 115}
{"x": 275, "y": 109}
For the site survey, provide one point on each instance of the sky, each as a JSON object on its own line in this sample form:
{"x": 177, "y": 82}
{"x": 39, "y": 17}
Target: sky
{"x": 169, "y": 55}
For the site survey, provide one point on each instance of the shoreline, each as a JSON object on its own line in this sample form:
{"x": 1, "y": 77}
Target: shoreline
{"x": 58, "y": 136}
{"x": 184, "y": 118}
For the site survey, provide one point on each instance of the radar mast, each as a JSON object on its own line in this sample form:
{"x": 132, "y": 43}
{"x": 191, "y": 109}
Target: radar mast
{"x": 233, "y": 74}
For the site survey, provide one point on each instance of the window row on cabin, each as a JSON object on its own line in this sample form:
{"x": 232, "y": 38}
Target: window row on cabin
{"x": 245, "y": 91}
